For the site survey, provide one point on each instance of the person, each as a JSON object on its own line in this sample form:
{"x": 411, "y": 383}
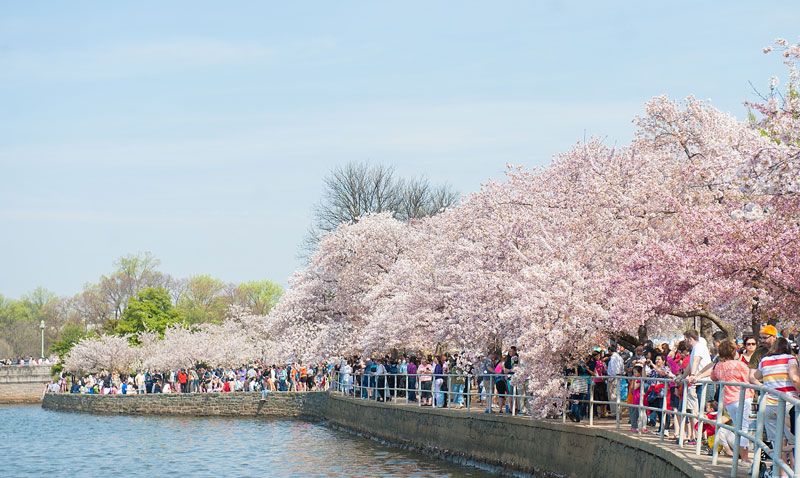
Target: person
{"x": 658, "y": 391}
{"x": 380, "y": 380}
{"x": 778, "y": 371}
{"x": 425, "y": 370}
{"x": 750, "y": 344}
{"x": 459, "y": 380}
{"x": 635, "y": 389}
{"x": 616, "y": 367}
{"x": 438, "y": 381}
{"x": 597, "y": 368}
{"x": 636, "y": 359}
{"x": 140, "y": 386}
{"x": 194, "y": 381}
{"x": 579, "y": 392}
{"x": 402, "y": 382}
{"x": 698, "y": 359}
{"x": 501, "y": 384}
{"x": 766, "y": 338}
{"x": 488, "y": 367}
{"x": 182, "y": 386}
{"x": 728, "y": 369}
{"x": 411, "y": 370}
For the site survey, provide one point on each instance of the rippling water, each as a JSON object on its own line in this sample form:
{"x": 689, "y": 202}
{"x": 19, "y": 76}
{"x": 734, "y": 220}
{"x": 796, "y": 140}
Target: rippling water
{"x": 36, "y": 442}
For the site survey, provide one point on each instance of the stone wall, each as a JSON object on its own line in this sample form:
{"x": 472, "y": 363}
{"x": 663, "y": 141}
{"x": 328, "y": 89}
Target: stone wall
{"x": 23, "y": 383}
{"x": 293, "y": 405}
{"x": 509, "y": 444}
{"x": 504, "y": 443}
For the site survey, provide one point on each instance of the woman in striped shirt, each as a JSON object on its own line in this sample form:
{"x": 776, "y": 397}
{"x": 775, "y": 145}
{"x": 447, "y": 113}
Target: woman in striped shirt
{"x": 778, "y": 370}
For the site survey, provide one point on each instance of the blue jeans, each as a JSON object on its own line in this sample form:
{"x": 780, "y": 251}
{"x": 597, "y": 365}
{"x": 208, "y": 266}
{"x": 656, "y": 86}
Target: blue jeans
{"x": 412, "y": 384}
{"x": 576, "y": 407}
{"x": 458, "y": 394}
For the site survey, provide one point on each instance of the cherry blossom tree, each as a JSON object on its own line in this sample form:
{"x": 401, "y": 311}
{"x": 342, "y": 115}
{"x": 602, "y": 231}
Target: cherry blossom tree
{"x": 107, "y": 352}
{"x": 325, "y": 309}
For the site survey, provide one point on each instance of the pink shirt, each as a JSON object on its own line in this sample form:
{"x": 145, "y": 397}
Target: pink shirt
{"x": 732, "y": 371}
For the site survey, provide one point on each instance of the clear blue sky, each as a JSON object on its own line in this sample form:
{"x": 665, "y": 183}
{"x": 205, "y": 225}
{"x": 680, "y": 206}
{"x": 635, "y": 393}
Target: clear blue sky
{"x": 201, "y": 131}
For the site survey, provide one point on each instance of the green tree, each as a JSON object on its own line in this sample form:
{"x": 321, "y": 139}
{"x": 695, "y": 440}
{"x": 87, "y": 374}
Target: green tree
{"x": 258, "y": 296}
{"x": 71, "y": 334}
{"x": 20, "y": 319}
{"x": 150, "y": 310}
{"x": 202, "y": 300}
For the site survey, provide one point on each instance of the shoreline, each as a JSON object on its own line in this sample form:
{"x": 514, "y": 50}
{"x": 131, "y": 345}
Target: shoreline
{"x": 540, "y": 448}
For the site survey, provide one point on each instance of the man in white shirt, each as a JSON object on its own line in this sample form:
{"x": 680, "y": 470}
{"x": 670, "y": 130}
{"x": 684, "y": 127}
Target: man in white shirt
{"x": 616, "y": 367}
{"x": 698, "y": 359}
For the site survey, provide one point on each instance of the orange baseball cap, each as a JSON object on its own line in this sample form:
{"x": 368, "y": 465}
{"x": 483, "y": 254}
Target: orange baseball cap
{"x": 768, "y": 330}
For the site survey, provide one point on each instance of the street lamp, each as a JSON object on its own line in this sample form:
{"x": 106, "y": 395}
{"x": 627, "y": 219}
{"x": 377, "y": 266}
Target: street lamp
{"x": 41, "y": 326}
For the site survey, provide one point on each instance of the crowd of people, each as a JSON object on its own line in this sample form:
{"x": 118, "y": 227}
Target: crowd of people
{"x": 444, "y": 380}
{"x": 29, "y": 361}
{"x": 255, "y": 377}
{"x": 664, "y": 377}
{"x": 770, "y": 359}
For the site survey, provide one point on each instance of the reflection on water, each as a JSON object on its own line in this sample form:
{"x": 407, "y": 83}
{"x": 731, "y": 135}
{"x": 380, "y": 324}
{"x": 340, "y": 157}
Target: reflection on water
{"x": 37, "y": 442}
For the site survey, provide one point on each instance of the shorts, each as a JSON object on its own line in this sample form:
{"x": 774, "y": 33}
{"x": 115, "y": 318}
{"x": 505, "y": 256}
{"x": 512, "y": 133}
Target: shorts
{"x": 502, "y": 387}
{"x": 771, "y": 423}
{"x": 426, "y": 389}
{"x": 691, "y": 399}
{"x": 744, "y": 427}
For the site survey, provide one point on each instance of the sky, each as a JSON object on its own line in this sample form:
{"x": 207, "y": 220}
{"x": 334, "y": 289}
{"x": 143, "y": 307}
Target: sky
{"x": 202, "y": 131}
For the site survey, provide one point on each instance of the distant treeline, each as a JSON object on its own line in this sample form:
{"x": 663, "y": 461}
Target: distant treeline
{"x": 135, "y": 297}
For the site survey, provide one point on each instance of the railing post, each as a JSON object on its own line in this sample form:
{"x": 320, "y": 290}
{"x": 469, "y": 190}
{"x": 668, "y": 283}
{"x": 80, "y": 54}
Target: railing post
{"x": 777, "y": 447}
{"x": 796, "y": 445}
{"x": 418, "y": 386}
{"x": 447, "y": 395}
{"x": 467, "y": 383}
{"x": 700, "y": 410}
{"x": 618, "y": 386}
{"x": 642, "y": 411}
{"x": 682, "y": 423}
{"x": 513, "y": 401}
{"x": 720, "y": 409}
{"x": 491, "y": 393}
{"x": 406, "y": 387}
{"x": 737, "y": 440}
{"x": 591, "y": 402}
{"x": 758, "y": 445}
{"x": 664, "y": 402}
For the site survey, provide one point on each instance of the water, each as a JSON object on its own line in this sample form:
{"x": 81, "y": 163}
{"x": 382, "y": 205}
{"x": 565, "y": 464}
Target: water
{"x": 36, "y": 442}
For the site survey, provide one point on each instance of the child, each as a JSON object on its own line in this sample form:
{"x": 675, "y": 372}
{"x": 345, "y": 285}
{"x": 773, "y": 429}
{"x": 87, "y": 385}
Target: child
{"x": 711, "y": 414}
{"x": 635, "y": 389}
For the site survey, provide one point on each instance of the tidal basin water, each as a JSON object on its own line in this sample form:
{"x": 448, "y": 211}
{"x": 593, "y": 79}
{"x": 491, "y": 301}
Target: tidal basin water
{"x": 37, "y": 442}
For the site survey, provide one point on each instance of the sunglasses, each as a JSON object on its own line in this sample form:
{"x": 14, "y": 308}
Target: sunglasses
{"x": 750, "y": 343}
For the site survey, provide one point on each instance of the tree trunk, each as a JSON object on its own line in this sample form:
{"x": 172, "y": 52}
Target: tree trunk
{"x": 642, "y": 333}
{"x": 626, "y": 340}
{"x": 755, "y": 320}
{"x": 703, "y": 313}
{"x": 707, "y": 329}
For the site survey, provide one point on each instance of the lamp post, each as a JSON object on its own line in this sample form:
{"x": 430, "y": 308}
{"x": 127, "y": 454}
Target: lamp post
{"x": 41, "y": 326}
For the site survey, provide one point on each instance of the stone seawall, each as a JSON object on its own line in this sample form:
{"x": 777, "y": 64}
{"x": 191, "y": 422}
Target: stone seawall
{"x": 538, "y": 448}
{"x": 291, "y": 405}
{"x": 23, "y": 383}
{"x": 504, "y": 443}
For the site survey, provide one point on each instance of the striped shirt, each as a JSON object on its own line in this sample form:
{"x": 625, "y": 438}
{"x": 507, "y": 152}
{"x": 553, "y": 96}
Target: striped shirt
{"x": 775, "y": 375}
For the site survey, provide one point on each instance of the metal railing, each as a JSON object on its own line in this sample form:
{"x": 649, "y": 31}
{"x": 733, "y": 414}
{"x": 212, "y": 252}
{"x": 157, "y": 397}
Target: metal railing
{"x": 440, "y": 390}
